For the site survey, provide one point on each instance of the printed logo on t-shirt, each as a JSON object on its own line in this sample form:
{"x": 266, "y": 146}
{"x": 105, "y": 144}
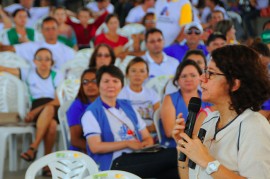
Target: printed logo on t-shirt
{"x": 125, "y": 133}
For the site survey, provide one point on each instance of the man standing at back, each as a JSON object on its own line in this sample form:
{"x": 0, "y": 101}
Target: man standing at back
{"x": 171, "y": 16}
{"x": 159, "y": 63}
{"x": 61, "y": 53}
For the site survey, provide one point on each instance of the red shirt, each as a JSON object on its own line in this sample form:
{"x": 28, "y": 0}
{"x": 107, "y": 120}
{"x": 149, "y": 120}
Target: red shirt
{"x": 103, "y": 39}
{"x": 84, "y": 35}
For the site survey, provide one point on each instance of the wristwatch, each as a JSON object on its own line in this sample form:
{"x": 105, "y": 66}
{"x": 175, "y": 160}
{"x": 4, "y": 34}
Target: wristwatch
{"x": 212, "y": 167}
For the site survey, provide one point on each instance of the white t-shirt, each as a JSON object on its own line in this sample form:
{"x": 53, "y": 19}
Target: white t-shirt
{"x": 207, "y": 11}
{"x": 171, "y": 16}
{"x": 136, "y": 14}
{"x": 119, "y": 129}
{"x": 36, "y": 13}
{"x": 143, "y": 101}
{"x": 94, "y": 7}
{"x": 40, "y": 87}
{"x": 61, "y": 53}
{"x": 252, "y": 159}
{"x": 167, "y": 67}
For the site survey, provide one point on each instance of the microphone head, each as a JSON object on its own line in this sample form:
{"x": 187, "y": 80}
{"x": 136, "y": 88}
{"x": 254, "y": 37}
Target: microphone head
{"x": 194, "y": 104}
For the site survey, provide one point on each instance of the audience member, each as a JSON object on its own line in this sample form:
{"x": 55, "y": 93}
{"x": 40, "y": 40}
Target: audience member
{"x": 102, "y": 55}
{"x": 227, "y": 29}
{"x": 146, "y": 101}
{"x": 19, "y": 33}
{"x": 266, "y": 25}
{"x": 61, "y": 53}
{"x": 85, "y": 32}
{"x": 159, "y": 63}
{"x": 99, "y": 6}
{"x": 136, "y": 14}
{"x": 187, "y": 78}
{"x": 171, "y": 17}
{"x": 66, "y": 32}
{"x": 5, "y": 21}
{"x": 42, "y": 82}
{"x": 112, "y": 126}
{"x": 264, "y": 53}
{"x": 87, "y": 94}
{"x": 214, "y": 41}
{"x": 237, "y": 83}
{"x": 212, "y": 5}
{"x": 112, "y": 38}
{"x": 193, "y": 38}
{"x": 35, "y": 13}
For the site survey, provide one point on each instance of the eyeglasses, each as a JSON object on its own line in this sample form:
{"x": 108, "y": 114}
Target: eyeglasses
{"x": 103, "y": 55}
{"x": 86, "y": 82}
{"x": 195, "y": 31}
{"x": 208, "y": 74}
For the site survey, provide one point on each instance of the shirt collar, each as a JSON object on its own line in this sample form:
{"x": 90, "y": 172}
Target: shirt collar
{"x": 150, "y": 59}
{"x": 108, "y": 107}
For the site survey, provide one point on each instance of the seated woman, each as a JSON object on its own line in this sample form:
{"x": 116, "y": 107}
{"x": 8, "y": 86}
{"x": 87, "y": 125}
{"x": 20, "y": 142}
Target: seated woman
{"x": 66, "y": 32}
{"x": 20, "y": 33}
{"x": 102, "y": 55}
{"x": 42, "y": 83}
{"x": 112, "y": 38}
{"x": 187, "y": 77}
{"x": 145, "y": 101}
{"x": 87, "y": 94}
{"x": 125, "y": 129}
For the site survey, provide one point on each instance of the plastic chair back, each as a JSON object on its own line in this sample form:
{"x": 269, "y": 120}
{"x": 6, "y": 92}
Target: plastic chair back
{"x": 64, "y": 124}
{"x": 113, "y": 174}
{"x": 68, "y": 90}
{"x": 156, "y": 119}
{"x": 64, "y": 164}
{"x": 12, "y": 60}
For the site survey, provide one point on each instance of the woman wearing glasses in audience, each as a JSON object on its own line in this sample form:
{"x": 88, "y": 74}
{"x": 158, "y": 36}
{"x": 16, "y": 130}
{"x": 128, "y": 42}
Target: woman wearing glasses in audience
{"x": 102, "y": 55}
{"x": 236, "y": 144}
{"x": 87, "y": 94}
{"x": 187, "y": 78}
{"x": 145, "y": 101}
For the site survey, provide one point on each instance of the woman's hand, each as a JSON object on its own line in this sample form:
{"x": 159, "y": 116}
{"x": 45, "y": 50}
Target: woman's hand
{"x": 134, "y": 144}
{"x": 194, "y": 150}
{"x": 178, "y": 127}
{"x": 30, "y": 116}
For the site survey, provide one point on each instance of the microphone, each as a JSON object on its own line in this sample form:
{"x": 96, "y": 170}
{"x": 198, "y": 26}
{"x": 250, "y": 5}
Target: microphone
{"x": 201, "y": 136}
{"x": 193, "y": 108}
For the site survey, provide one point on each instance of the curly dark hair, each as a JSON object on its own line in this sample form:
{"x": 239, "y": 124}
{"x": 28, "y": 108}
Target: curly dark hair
{"x": 243, "y": 63}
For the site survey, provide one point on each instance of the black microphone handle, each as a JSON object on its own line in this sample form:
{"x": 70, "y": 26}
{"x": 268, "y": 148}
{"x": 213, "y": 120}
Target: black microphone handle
{"x": 201, "y": 136}
{"x": 188, "y": 130}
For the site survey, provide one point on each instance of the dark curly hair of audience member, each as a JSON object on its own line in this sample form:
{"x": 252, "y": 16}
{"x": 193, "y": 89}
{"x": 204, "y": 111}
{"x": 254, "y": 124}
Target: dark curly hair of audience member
{"x": 243, "y": 63}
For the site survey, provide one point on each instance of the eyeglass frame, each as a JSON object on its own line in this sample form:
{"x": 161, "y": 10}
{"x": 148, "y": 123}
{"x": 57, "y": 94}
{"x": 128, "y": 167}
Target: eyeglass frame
{"x": 195, "y": 31}
{"x": 86, "y": 81}
{"x": 207, "y": 74}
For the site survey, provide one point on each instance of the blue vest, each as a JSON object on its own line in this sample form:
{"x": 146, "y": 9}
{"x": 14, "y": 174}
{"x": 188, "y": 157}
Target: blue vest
{"x": 105, "y": 160}
{"x": 180, "y": 107}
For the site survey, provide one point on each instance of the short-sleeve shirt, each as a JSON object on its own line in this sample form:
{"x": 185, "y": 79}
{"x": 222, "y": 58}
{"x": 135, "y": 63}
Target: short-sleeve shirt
{"x": 119, "y": 130}
{"x": 143, "y": 101}
{"x": 103, "y": 39}
{"x": 136, "y": 14}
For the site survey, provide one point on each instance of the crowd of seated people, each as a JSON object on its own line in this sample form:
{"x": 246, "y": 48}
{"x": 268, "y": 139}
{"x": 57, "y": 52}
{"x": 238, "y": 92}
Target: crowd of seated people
{"x": 174, "y": 43}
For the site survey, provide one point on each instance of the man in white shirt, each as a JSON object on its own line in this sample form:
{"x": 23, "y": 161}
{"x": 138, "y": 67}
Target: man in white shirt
{"x": 61, "y": 53}
{"x": 159, "y": 63}
{"x": 35, "y": 13}
{"x": 99, "y": 6}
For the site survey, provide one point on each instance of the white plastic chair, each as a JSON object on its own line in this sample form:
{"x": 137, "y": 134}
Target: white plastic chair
{"x": 158, "y": 84}
{"x": 67, "y": 90}
{"x": 85, "y": 53}
{"x": 156, "y": 119}
{"x": 12, "y": 60}
{"x": 122, "y": 64}
{"x": 113, "y": 174}
{"x": 130, "y": 29}
{"x": 64, "y": 164}
{"x": 64, "y": 124}
{"x": 12, "y": 99}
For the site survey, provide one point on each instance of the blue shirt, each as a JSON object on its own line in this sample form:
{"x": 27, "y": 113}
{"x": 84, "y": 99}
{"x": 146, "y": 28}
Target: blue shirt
{"x": 178, "y": 51}
{"x": 74, "y": 114}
